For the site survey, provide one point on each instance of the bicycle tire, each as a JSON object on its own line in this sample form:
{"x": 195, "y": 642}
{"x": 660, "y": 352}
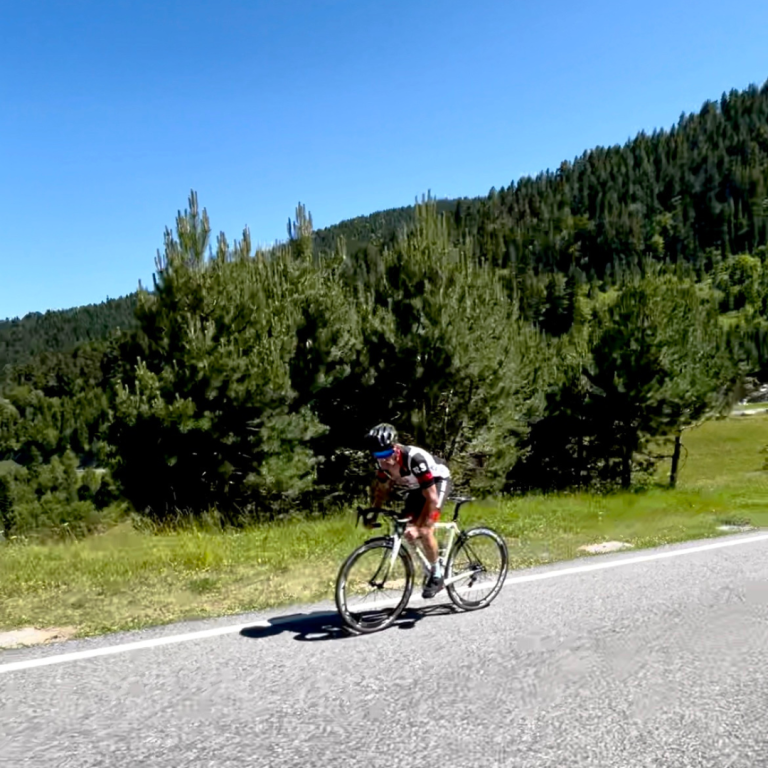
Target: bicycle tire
{"x": 360, "y": 615}
{"x": 468, "y": 593}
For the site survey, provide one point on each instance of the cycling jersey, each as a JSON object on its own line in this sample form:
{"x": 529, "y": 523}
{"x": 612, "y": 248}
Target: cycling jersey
{"x": 417, "y": 470}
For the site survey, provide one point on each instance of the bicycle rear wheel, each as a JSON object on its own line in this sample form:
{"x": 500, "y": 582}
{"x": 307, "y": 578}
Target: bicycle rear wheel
{"x": 371, "y": 590}
{"x": 480, "y": 560}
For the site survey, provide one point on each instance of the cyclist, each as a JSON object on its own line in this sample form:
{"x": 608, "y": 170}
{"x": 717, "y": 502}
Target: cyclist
{"x": 408, "y": 472}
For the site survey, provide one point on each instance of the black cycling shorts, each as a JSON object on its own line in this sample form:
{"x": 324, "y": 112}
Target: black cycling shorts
{"x": 414, "y": 500}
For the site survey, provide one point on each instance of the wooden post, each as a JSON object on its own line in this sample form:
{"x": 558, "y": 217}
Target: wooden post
{"x": 675, "y": 461}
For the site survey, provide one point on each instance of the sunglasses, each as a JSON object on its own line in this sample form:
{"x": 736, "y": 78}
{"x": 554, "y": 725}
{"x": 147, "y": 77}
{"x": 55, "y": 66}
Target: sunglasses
{"x": 383, "y": 454}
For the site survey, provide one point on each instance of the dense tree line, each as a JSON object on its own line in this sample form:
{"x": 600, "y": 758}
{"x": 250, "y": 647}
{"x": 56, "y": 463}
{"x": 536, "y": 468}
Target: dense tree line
{"x": 562, "y": 332}
{"x": 57, "y": 332}
{"x": 697, "y": 193}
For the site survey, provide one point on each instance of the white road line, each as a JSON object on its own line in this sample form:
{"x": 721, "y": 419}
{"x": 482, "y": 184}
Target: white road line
{"x": 232, "y": 629}
{"x": 631, "y": 560}
{"x": 136, "y": 646}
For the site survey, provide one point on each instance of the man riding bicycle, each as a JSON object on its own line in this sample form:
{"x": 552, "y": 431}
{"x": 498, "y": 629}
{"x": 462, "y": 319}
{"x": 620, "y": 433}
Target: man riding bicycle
{"x": 408, "y": 472}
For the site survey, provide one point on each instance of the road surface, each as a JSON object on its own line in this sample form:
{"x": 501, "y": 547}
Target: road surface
{"x": 651, "y": 658}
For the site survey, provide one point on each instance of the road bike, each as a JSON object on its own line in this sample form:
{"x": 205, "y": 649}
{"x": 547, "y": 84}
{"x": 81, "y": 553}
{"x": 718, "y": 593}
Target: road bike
{"x": 375, "y": 582}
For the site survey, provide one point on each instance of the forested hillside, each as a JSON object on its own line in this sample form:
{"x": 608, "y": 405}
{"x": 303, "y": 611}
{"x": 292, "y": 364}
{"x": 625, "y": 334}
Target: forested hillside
{"x": 561, "y": 332}
{"x": 61, "y": 331}
{"x": 377, "y": 230}
{"x": 695, "y": 192}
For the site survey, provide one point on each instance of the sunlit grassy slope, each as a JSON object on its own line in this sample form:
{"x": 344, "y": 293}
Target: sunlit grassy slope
{"x": 128, "y": 579}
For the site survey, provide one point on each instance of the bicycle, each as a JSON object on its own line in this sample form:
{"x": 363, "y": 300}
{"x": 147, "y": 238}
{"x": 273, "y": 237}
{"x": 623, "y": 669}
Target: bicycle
{"x": 375, "y": 582}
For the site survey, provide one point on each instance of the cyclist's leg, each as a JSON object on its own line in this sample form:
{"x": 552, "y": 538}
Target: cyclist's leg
{"x": 415, "y": 532}
{"x": 427, "y": 526}
{"x": 422, "y": 523}
{"x": 444, "y": 490}
{"x": 414, "y": 503}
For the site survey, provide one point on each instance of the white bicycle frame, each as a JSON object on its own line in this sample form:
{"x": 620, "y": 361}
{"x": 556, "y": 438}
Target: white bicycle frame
{"x": 453, "y": 531}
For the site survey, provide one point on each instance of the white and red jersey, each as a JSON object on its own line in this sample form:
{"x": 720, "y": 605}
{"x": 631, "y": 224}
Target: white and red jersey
{"x": 416, "y": 470}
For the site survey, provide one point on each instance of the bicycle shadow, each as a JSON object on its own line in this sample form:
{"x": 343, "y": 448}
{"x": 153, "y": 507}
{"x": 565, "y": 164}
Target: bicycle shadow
{"x": 327, "y": 625}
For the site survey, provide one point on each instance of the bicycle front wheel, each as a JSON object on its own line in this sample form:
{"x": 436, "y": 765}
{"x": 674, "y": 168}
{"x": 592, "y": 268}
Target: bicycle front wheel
{"x": 372, "y": 589}
{"x": 476, "y": 568}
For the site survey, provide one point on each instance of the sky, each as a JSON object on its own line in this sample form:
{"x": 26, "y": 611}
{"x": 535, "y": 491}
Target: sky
{"x": 111, "y": 112}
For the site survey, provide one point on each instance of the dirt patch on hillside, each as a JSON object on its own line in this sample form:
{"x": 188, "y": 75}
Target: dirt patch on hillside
{"x": 19, "y": 638}
{"x": 606, "y": 546}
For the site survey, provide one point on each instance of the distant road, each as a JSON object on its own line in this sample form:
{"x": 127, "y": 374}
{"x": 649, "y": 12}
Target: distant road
{"x": 659, "y": 661}
{"x": 748, "y": 411}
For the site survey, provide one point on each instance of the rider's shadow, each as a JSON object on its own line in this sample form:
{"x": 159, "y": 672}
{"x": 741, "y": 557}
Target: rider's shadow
{"x": 327, "y": 625}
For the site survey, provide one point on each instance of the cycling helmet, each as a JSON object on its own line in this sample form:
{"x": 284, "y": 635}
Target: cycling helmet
{"x": 381, "y": 440}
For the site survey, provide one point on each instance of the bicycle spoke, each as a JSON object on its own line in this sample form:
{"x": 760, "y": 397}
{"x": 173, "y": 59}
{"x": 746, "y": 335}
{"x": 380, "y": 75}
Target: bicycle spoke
{"x": 372, "y": 589}
{"x": 478, "y": 566}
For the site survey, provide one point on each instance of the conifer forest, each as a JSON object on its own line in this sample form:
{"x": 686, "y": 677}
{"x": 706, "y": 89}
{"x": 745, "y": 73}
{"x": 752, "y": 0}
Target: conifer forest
{"x": 561, "y": 332}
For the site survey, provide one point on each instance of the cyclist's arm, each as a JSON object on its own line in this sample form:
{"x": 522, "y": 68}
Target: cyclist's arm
{"x": 428, "y": 485}
{"x": 379, "y": 490}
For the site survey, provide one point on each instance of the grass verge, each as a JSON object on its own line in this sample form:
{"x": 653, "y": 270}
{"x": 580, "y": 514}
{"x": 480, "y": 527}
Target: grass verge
{"x": 126, "y": 579}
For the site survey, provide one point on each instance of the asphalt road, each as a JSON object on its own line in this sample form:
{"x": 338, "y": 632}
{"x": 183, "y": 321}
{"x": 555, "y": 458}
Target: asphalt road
{"x": 659, "y": 661}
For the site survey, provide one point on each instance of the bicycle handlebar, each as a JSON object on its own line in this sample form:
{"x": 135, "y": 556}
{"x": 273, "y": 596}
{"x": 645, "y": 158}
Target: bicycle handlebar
{"x": 370, "y": 515}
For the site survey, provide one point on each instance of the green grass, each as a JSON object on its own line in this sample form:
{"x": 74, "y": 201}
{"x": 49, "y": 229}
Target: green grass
{"x": 126, "y": 579}
{"x": 728, "y": 454}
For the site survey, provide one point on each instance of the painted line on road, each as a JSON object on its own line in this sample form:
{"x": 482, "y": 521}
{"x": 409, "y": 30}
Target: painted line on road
{"x": 156, "y": 642}
{"x": 630, "y": 560}
{"x": 125, "y": 647}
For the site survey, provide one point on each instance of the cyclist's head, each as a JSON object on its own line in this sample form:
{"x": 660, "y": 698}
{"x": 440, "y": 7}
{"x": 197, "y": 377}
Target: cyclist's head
{"x": 381, "y": 441}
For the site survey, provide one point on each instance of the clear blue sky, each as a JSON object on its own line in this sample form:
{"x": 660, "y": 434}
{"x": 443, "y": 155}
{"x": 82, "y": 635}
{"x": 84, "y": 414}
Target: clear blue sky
{"x": 111, "y": 111}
